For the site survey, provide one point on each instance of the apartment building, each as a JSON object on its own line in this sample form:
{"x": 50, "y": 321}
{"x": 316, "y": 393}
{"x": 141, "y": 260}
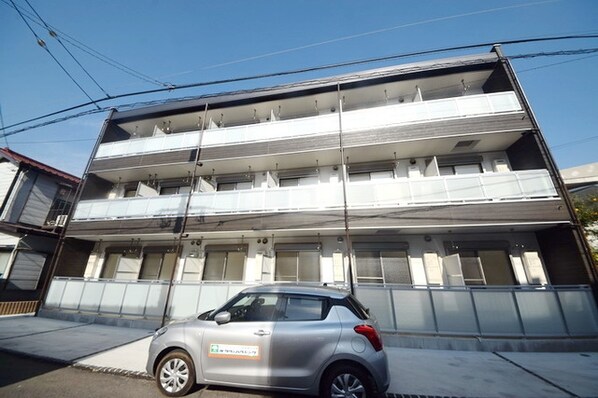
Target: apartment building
{"x": 427, "y": 188}
{"x": 36, "y": 200}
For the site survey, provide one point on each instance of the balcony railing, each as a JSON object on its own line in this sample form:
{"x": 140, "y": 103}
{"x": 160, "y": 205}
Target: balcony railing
{"x": 529, "y": 184}
{"x": 362, "y": 119}
{"x": 149, "y": 145}
{"x": 171, "y": 205}
{"x": 514, "y": 311}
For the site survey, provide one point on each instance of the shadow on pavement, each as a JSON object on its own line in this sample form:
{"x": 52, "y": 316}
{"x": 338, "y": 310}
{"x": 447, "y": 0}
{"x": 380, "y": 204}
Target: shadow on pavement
{"x": 16, "y": 368}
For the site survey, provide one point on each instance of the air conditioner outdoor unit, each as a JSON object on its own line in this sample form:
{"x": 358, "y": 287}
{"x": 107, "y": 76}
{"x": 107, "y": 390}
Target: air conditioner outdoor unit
{"x": 61, "y": 220}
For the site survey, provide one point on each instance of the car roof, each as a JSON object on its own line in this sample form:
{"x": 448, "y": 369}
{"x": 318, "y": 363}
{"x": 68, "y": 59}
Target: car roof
{"x": 332, "y": 292}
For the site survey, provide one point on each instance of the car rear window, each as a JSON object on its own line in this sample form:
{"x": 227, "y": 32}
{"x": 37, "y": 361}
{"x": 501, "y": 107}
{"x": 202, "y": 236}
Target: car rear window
{"x": 304, "y": 309}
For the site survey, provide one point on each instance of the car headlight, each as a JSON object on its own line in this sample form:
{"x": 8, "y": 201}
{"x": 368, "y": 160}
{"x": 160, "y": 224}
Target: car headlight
{"x": 159, "y": 332}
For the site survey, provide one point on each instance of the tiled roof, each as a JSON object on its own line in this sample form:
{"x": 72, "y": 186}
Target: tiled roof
{"x": 17, "y": 157}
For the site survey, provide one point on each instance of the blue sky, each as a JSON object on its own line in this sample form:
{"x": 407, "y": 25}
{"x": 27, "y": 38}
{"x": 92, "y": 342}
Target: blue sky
{"x": 184, "y": 41}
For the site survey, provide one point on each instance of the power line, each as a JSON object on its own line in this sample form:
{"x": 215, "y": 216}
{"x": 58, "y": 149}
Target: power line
{"x": 55, "y": 35}
{"x": 90, "y": 51}
{"x": 286, "y": 73}
{"x": 359, "y": 35}
{"x": 43, "y": 45}
{"x": 570, "y": 143}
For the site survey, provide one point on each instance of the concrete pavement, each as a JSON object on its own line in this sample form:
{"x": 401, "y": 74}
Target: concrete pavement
{"x": 413, "y": 371}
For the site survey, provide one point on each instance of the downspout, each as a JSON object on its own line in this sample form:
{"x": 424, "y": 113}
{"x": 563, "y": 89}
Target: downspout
{"x": 78, "y": 193}
{"x": 344, "y": 174}
{"x": 185, "y": 216}
{"x": 580, "y": 235}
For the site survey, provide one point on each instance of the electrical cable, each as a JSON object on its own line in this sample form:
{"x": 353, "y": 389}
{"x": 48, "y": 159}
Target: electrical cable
{"x": 255, "y": 77}
{"x": 55, "y": 35}
{"x": 90, "y": 51}
{"x": 43, "y": 45}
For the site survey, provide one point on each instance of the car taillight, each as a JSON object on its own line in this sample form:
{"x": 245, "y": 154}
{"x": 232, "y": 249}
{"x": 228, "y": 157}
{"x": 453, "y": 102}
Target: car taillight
{"x": 371, "y": 334}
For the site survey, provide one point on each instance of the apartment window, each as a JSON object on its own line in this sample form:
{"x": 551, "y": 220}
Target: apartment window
{"x": 157, "y": 266}
{"x": 378, "y": 266}
{"x": 234, "y": 186}
{"x": 4, "y": 259}
{"x": 298, "y": 177}
{"x": 174, "y": 190}
{"x": 222, "y": 264}
{"x": 486, "y": 267}
{"x": 371, "y": 176}
{"x": 61, "y": 206}
{"x": 130, "y": 192}
{"x": 298, "y": 181}
{"x": 371, "y": 171}
{"x": 474, "y": 168}
{"x": 297, "y": 266}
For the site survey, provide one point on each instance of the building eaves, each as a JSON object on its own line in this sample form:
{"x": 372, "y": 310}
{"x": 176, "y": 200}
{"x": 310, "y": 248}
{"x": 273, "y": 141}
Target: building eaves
{"x": 22, "y": 159}
{"x": 315, "y": 86}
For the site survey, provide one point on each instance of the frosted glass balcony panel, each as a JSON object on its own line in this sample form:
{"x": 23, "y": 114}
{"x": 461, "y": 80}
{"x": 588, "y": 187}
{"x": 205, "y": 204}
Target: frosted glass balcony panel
{"x": 455, "y": 311}
{"x": 504, "y": 102}
{"x": 90, "y": 300}
{"x": 536, "y": 183}
{"x": 428, "y": 190}
{"x": 149, "y": 145}
{"x": 413, "y": 310}
{"x": 501, "y": 185}
{"x": 474, "y": 105}
{"x": 441, "y": 109}
{"x": 497, "y": 312}
{"x": 465, "y": 188}
{"x": 540, "y": 313}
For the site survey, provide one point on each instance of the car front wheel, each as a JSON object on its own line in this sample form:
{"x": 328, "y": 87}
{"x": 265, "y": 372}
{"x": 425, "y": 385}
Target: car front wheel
{"x": 346, "y": 381}
{"x": 175, "y": 374}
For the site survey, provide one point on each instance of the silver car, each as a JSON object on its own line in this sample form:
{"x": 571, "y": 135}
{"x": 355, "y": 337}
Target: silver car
{"x": 306, "y": 340}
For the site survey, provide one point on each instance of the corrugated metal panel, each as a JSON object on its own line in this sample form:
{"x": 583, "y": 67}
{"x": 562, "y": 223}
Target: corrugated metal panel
{"x": 39, "y": 201}
{"x": 8, "y": 172}
{"x": 26, "y": 270}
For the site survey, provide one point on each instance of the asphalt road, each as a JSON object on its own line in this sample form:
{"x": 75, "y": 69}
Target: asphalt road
{"x": 31, "y": 378}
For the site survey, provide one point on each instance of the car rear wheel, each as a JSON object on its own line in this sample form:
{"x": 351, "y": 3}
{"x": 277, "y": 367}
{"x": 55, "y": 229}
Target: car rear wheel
{"x": 175, "y": 374}
{"x": 346, "y": 381}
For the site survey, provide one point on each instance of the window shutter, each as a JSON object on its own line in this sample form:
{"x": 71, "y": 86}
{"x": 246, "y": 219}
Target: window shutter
{"x": 26, "y": 270}
{"x": 452, "y": 268}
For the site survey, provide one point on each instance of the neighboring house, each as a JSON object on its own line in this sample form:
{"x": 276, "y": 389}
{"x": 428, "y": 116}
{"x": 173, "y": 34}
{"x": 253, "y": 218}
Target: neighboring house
{"x": 426, "y": 187}
{"x": 582, "y": 183}
{"x": 36, "y": 200}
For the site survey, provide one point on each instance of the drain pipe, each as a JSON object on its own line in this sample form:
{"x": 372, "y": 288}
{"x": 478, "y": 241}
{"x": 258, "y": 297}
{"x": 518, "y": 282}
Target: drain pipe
{"x": 344, "y": 176}
{"x": 185, "y": 217}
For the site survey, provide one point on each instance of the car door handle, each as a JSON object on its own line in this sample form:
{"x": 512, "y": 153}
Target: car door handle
{"x": 262, "y": 332}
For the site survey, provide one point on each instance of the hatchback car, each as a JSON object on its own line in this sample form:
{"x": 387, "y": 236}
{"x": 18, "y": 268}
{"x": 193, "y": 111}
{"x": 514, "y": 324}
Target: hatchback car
{"x": 305, "y": 340}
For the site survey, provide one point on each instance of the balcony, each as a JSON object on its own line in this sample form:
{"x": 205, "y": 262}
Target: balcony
{"x": 530, "y": 184}
{"x": 140, "y": 146}
{"x": 355, "y": 120}
{"x": 518, "y": 185}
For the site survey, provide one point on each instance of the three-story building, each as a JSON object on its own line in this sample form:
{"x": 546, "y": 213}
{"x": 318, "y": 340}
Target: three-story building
{"x": 427, "y": 188}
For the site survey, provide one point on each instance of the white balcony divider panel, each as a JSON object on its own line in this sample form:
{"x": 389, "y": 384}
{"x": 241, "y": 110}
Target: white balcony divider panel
{"x": 528, "y": 184}
{"x": 522, "y": 311}
{"x": 362, "y": 119}
{"x": 139, "y": 146}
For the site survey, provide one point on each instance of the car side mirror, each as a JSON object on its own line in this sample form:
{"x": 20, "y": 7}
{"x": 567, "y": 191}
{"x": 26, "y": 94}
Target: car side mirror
{"x": 222, "y": 317}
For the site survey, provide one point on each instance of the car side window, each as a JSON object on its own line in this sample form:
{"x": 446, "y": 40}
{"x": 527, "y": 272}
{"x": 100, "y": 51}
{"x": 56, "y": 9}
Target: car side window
{"x": 254, "y": 308}
{"x": 303, "y": 309}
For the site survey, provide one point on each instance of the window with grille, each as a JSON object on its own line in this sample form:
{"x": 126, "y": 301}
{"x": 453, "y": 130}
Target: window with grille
{"x": 382, "y": 267}
{"x": 224, "y": 266}
{"x": 297, "y": 266}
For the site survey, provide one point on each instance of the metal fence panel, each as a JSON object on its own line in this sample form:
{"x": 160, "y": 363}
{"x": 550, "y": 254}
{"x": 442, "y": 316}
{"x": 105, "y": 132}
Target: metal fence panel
{"x": 413, "y": 310}
{"x": 580, "y": 312}
{"x": 497, "y": 313}
{"x": 454, "y": 311}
